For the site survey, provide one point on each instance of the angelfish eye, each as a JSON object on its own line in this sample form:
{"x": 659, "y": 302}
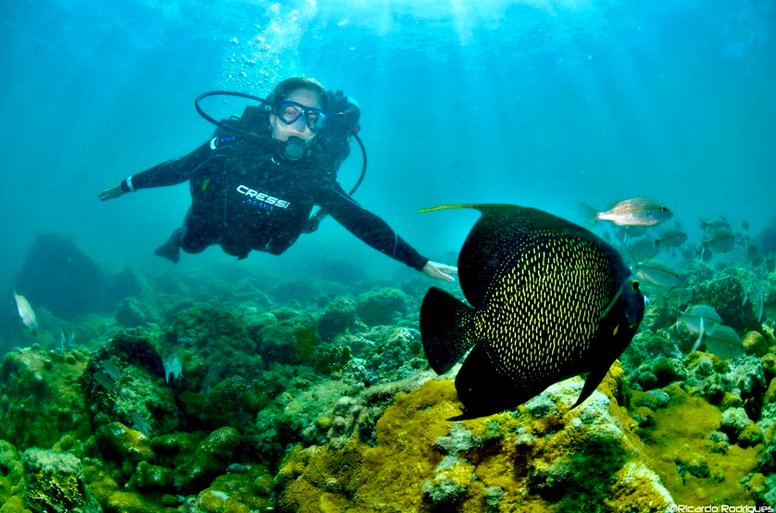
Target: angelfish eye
{"x": 635, "y": 285}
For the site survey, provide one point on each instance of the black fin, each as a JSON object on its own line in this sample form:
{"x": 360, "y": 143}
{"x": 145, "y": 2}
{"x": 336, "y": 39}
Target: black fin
{"x": 482, "y": 390}
{"x": 446, "y": 326}
{"x": 594, "y": 378}
{"x": 171, "y": 250}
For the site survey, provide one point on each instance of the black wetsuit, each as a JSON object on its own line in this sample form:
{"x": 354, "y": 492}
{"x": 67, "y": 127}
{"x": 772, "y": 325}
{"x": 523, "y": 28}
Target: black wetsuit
{"x": 245, "y": 197}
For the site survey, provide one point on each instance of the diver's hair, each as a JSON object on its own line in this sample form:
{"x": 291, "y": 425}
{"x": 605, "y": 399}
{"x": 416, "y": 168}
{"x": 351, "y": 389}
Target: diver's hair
{"x": 289, "y": 85}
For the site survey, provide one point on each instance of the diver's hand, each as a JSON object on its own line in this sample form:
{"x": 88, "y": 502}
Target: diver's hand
{"x": 337, "y": 102}
{"x": 112, "y": 193}
{"x": 441, "y": 271}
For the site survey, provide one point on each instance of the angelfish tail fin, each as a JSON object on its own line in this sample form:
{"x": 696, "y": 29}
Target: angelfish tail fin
{"x": 446, "y": 327}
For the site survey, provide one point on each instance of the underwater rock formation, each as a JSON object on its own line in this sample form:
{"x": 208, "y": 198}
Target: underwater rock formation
{"x": 327, "y": 404}
{"x": 382, "y": 306}
{"x": 581, "y": 459}
{"x": 40, "y": 399}
{"x": 59, "y": 276}
{"x": 54, "y": 483}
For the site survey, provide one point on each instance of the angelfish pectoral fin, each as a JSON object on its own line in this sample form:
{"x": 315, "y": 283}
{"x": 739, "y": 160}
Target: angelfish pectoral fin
{"x": 610, "y": 305}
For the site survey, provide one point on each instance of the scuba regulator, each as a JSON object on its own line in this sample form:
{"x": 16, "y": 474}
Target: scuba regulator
{"x": 335, "y": 134}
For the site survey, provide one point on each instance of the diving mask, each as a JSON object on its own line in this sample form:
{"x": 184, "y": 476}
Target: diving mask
{"x": 289, "y": 112}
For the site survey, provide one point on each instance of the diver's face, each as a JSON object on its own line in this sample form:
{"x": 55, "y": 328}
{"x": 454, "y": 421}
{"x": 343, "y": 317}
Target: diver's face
{"x": 299, "y": 128}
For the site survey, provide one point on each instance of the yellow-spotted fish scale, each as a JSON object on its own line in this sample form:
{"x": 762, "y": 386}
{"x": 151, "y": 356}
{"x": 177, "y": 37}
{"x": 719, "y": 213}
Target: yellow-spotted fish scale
{"x": 550, "y": 300}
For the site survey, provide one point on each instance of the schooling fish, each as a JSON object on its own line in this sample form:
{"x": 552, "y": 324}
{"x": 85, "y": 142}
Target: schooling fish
{"x": 657, "y": 274}
{"x": 111, "y": 369}
{"x": 632, "y": 212}
{"x": 671, "y": 238}
{"x": 721, "y": 240}
{"x": 26, "y": 313}
{"x": 549, "y": 300}
{"x": 714, "y": 223}
{"x": 172, "y": 367}
{"x": 691, "y": 318}
{"x": 723, "y": 341}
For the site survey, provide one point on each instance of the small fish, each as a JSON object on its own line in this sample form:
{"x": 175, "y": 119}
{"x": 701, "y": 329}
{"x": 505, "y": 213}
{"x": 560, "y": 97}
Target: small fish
{"x": 700, "y": 337}
{"x": 721, "y": 240}
{"x": 657, "y": 274}
{"x": 724, "y": 342}
{"x": 632, "y": 212}
{"x": 756, "y": 294}
{"x": 745, "y": 225}
{"x": 105, "y": 381}
{"x": 714, "y": 223}
{"x": 628, "y": 232}
{"x": 66, "y": 337}
{"x": 691, "y": 318}
{"x": 111, "y": 369}
{"x": 755, "y": 256}
{"x": 642, "y": 248}
{"x": 26, "y": 313}
{"x": 172, "y": 367}
{"x": 140, "y": 424}
{"x": 769, "y": 307}
{"x": 549, "y": 300}
{"x": 679, "y": 296}
{"x": 672, "y": 238}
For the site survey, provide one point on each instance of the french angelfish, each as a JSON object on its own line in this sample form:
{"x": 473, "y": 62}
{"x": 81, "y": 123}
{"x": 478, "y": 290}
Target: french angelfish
{"x": 549, "y": 300}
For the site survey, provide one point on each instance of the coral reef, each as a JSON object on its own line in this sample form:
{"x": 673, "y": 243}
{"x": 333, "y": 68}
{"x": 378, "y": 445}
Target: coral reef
{"x": 229, "y": 391}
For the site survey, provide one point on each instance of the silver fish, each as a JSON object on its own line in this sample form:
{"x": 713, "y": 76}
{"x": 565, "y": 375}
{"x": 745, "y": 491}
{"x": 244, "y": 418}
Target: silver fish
{"x": 714, "y": 223}
{"x": 769, "y": 307}
{"x": 724, "y": 342}
{"x": 66, "y": 337}
{"x": 631, "y": 212}
{"x": 691, "y": 318}
{"x": 657, "y": 274}
{"x": 642, "y": 248}
{"x": 672, "y": 238}
{"x": 105, "y": 381}
{"x": 721, "y": 240}
{"x": 111, "y": 369}
{"x": 140, "y": 424}
{"x": 679, "y": 296}
{"x": 756, "y": 294}
{"x": 755, "y": 256}
{"x": 172, "y": 367}
{"x": 700, "y": 337}
{"x": 26, "y": 313}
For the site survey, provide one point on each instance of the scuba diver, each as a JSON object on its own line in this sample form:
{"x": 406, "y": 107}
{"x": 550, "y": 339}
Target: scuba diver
{"x": 255, "y": 187}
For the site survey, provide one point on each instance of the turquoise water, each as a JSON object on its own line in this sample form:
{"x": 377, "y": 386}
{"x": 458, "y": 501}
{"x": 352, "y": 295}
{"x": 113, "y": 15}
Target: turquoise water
{"x": 536, "y": 103}
{"x": 300, "y": 382}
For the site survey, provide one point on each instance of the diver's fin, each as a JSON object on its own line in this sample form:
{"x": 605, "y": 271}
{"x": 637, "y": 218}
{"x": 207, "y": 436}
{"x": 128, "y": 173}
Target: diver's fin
{"x": 446, "y": 328}
{"x": 171, "y": 250}
{"x": 594, "y": 378}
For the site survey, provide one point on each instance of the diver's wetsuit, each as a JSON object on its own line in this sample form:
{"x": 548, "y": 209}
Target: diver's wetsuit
{"x": 245, "y": 198}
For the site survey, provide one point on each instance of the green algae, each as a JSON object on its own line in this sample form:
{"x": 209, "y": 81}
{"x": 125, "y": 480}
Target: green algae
{"x": 678, "y": 449}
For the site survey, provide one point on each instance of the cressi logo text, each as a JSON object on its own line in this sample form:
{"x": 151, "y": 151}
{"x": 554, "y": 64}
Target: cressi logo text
{"x": 260, "y": 196}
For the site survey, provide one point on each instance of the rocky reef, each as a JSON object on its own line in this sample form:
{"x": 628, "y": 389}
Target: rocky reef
{"x": 234, "y": 393}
